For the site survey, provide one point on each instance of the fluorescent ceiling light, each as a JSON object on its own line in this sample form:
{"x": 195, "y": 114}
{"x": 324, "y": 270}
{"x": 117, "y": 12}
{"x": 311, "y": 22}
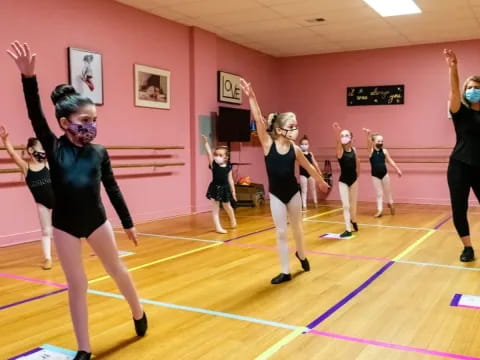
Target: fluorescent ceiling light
{"x": 394, "y": 7}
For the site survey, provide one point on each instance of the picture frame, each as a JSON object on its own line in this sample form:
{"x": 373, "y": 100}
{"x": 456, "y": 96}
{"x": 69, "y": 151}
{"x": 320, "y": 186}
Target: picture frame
{"x": 152, "y": 87}
{"x": 85, "y": 73}
{"x": 229, "y": 90}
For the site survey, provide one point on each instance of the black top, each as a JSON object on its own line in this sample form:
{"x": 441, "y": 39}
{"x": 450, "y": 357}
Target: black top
{"x": 379, "y": 167}
{"x": 281, "y": 173}
{"x": 40, "y": 186}
{"x": 220, "y": 173}
{"x": 467, "y": 129}
{"x": 348, "y": 167}
{"x": 303, "y": 171}
{"x": 76, "y": 173}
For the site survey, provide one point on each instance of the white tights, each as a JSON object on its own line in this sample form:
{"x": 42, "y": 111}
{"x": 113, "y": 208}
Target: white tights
{"x": 382, "y": 187}
{"x": 281, "y": 213}
{"x": 348, "y": 195}
{"x": 304, "y": 184}
{"x": 69, "y": 250}
{"x": 216, "y": 215}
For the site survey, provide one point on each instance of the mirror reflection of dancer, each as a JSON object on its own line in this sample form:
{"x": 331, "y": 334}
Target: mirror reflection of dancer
{"x": 285, "y": 201}
{"x": 37, "y": 177}
{"x": 464, "y": 165}
{"x": 349, "y": 172}
{"x": 77, "y": 168}
{"x": 87, "y": 72}
{"x": 222, "y": 188}
{"x": 378, "y": 156}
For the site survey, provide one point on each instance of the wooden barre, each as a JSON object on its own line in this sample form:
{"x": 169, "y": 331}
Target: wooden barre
{"x": 399, "y": 148}
{"x": 115, "y": 166}
{"x": 121, "y": 166}
{"x": 119, "y": 147}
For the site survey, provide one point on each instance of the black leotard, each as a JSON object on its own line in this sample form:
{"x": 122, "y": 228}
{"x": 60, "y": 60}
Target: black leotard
{"x": 348, "y": 167}
{"x": 40, "y": 186}
{"x": 304, "y": 171}
{"x": 281, "y": 173}
{"x": 377, "y": 160}
{"x": 219, "y": 188}
{"x": 76, "y": 173}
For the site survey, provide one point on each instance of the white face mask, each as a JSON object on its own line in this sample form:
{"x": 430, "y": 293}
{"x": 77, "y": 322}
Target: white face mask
{"x": 219, "y": 159}
{"x": 304, "y": 147}
{"x": 346, "y": 140}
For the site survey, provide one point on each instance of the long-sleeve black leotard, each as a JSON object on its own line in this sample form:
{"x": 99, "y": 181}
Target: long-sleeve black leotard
{"x": 76, "y": 173}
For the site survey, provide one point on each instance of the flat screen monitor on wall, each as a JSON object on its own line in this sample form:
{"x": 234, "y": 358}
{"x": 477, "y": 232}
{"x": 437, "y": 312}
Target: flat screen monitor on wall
{"x": 233, "y": 124}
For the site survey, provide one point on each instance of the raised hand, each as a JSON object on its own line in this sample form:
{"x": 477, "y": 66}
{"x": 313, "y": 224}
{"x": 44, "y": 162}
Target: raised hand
{"x": 3, "y": 133}
{"x": 367, "y": 131}
{"x": 246, "y": 88}
{"x": 205, "y": 139}
{"x": 336, "y": 126}
{"x": 132, "y": 235}
{"x": 23, "y": 57}
{"x": 450, "y": 57}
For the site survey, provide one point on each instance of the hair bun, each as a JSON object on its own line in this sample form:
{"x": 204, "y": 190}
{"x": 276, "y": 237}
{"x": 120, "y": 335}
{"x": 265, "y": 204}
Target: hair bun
{"x": 61, "y": 92}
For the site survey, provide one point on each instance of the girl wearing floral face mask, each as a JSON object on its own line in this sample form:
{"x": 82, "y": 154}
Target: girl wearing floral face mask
{"x": 305, "y": 179}
{"x": 77, "y": 168}
{"x": 37, "y": 177}
{"x": 349, "y": 172}
{"x": 222, "y": 188}
{"x": 464, "y": 166}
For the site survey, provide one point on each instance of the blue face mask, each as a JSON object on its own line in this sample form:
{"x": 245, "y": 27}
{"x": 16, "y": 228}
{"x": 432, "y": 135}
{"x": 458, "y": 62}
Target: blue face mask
{"x": 472, "y": 95}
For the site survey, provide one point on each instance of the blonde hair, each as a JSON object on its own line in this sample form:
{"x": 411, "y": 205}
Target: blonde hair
{"x": 278, "y": 120}
{"x": 474, "y": 78}
{"x": 224, "y": 148}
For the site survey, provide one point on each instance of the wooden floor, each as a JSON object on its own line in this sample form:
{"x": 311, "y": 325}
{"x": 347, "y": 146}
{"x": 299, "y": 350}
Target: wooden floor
{"x": 384, "y": 294}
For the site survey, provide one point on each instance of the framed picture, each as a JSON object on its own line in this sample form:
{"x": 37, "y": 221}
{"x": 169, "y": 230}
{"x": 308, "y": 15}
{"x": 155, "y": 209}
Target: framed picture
{"x": 85, "y": 73}
{"x": 229, "y": 90}
{"x": 152, "y": 87}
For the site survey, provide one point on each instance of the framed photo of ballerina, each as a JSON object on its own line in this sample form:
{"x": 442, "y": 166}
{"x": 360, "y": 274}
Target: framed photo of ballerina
{"x": 152, "y": 87}
{"x": 85, "y": 73}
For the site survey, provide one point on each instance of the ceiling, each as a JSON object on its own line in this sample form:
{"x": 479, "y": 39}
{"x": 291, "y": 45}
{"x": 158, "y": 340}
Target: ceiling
{"x": 281, "y": 27}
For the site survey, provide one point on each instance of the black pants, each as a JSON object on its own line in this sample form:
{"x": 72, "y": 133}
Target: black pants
{"x": 461, "y": 178}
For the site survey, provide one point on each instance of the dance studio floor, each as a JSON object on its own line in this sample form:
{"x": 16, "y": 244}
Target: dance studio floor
{"x": 388, "y": 293}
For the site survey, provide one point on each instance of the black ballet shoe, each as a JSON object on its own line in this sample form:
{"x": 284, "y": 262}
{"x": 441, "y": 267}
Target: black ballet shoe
{"x": 281, "y": 278}
{"x": 346, "y": 234}
{"x": 467, "y": 254}
{"x": 82, "y": 355}
{"x": 141, "y": 325}
{"x": 355, "y": 226}
{"x": 304, "y": 262}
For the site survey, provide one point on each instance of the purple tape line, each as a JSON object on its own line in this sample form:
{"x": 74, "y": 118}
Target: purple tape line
{"x": 439, "y": 225}
{"x": 31, "y": 299}
{"x": 349, "y": 297}
{"x": 393, "y": 346}
{"x": 252, "y": 233}
{"x": 456, "y": 300}
{"x": 26, "y": 353}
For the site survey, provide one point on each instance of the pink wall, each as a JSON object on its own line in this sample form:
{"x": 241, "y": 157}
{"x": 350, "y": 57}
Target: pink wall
{"x": 124, "y": 36}
{"x": 314, "y": 87}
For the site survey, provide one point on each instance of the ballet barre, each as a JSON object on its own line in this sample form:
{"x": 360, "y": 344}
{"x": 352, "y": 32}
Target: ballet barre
{"x": 115, "y": 166}
{"x": 120, "y": 147}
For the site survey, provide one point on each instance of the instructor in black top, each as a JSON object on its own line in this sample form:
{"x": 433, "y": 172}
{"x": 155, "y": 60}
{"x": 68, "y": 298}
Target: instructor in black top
{"x": 464, "y": 166}
{"x": 77, "y": 168}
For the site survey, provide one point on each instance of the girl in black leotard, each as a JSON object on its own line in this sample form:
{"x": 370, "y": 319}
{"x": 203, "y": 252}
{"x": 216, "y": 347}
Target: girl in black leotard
{"x": 37, "y": 177}
{"x": 277, "y": 136}
{"x": 77, "y": 168}
{"x": 381, "y": 180}
{"x": 349, "y": 172}
{"x": 305, "y": 179}
{"x": 222, "y": 188}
